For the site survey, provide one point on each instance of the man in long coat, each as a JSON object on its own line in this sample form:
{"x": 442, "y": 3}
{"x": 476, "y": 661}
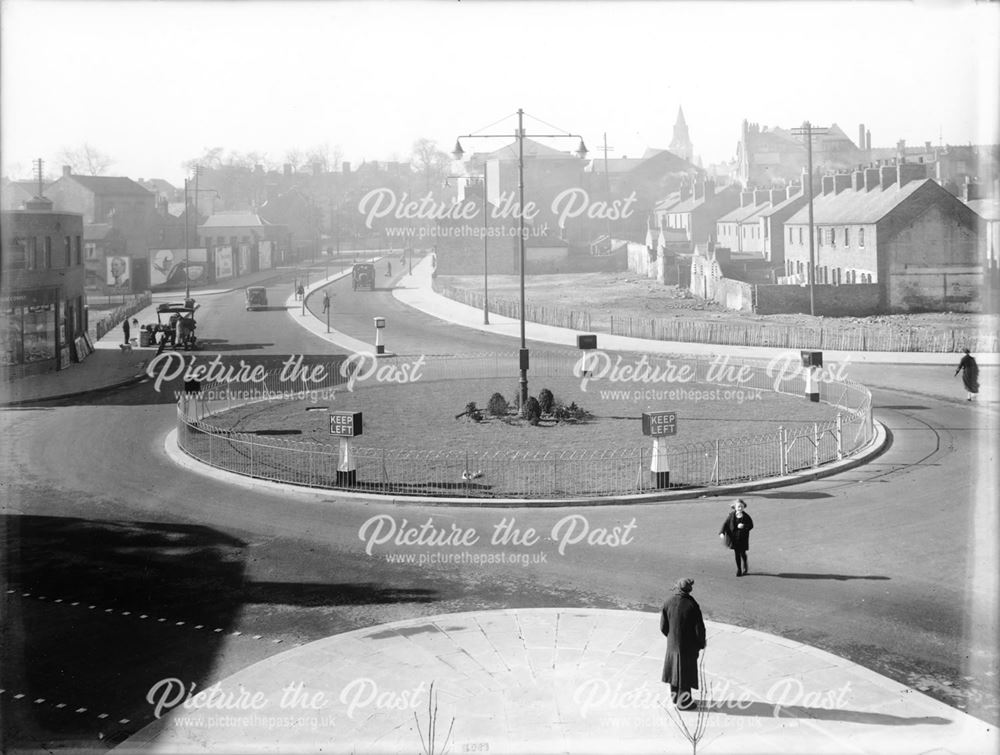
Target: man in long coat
{"x": 681, "y": 623}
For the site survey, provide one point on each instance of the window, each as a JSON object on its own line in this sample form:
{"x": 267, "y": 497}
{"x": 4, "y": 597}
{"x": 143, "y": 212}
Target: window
{"x": 68, "y": 260}
{"x": 79, "y": 252}
{"x": 31, "y": 254}
{"x": 789, "y": 235}
{"x": 833, "y": 237}
{"x": 847, "y": 236}
{"x": 47, "y": 258}
{"x": 17, "y": 259}
{"x": 861, "y": 238}
{"x": 819, "y": 237}
{"x": 800, "y": 234}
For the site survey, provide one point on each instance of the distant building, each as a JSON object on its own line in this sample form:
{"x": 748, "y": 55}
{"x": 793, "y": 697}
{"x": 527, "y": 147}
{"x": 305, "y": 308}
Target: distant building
{"x": 681, "y": 145}
{"x": 547, "y": 173}
{"x": 695, "y": 209}
{"x": 241, "y": 242}
{"x": 120, "y": 202}
{"x": 656, "y": 174}
{"x": 42, "y": 320}
{"x": 768, "y": 157}
{"x": 13, "y": 194}
{"x": 893, "y": 227}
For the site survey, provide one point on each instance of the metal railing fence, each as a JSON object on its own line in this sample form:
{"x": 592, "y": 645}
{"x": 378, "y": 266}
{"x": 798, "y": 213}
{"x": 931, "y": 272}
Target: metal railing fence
{"x": 483, "y": 474}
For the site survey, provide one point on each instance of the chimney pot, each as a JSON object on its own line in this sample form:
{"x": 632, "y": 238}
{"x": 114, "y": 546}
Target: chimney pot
{"x": 67, "y": 170}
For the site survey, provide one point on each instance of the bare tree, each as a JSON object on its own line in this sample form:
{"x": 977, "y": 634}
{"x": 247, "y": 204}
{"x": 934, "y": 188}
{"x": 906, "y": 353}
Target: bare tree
{"x": 430, "y": 162}
{"x": 85, "y": 159}
{"x": 327, "y": 157}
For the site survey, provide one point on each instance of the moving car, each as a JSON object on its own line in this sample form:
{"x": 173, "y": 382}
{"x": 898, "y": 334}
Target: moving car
{"x": 256, "y": 298}
{"x": 363, "y": 276}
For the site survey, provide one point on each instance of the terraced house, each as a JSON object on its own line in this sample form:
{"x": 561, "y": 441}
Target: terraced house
{"x": 893, "y": 227}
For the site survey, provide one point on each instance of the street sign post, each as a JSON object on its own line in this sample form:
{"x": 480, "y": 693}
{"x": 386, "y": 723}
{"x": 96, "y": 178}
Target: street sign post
{"x": 346, "y": 425}
{"x": 659, "y": 426}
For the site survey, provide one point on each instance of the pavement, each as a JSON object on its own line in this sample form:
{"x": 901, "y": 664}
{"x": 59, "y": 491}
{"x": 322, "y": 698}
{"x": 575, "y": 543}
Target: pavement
{"x": 553, "y": 680}
{"x": 549, "y": 680}
{"x": 109, "y": 366}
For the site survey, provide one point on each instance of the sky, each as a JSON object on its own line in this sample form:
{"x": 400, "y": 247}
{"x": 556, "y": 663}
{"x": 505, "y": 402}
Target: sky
{"x": 155, "y": 84}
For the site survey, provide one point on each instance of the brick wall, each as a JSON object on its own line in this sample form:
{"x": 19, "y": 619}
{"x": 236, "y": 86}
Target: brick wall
{"x": 856, "y": 300}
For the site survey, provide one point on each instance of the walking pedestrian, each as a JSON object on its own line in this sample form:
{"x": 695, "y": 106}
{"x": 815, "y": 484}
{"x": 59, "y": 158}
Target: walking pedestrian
{"x": 682, "y": 624}
{"x": 970, "y": 375}
{"x": 735, "y": 533}
{"x": 126, "y": 329}
{"x": 326, "y": 301}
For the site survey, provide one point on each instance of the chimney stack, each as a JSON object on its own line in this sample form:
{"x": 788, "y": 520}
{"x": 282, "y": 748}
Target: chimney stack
{"x": 911, "y": 172}
{"x": 970, "y": 191}
{"x": 861, "y": 136}
{"x": 841, "y": 181}
{"x": 868, "y": 140}
{"x": 871, "y": 178}
{"x": 793, "y": 190}
{"x": 827, "y": 185}
{"x": 777, "y": 196}
{"x": 761, "y": 196}
{"x": 746, "y": 198}
{"x": 67, "y": 170}
{"x": 858, "y": 179}
{"x": 685, "y": 191}
{"x": 699, "y": 189}
{"x": 888, "y": 175}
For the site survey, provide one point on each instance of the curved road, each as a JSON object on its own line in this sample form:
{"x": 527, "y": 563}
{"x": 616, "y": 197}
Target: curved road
{"x": 886, "y": 564}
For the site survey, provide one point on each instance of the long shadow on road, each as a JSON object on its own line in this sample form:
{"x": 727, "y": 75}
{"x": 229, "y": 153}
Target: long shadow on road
{"x": 97, "y": 612}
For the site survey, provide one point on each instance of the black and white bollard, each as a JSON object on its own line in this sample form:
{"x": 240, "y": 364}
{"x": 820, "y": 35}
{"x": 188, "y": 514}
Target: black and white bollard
{"x": 379, "y": 326}
{"x": 346, "y": 425}
{"x": 812, "y": 362}
{"x": 586, "y": 344}
{"x": 659, "y": 426}
{"x": 659, "y": 467}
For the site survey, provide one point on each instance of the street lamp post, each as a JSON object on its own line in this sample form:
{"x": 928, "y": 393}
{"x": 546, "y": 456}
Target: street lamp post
{"x": 486, "y": 229}
{"x": 520, "y": 136}
{"x": 188, "y": 301}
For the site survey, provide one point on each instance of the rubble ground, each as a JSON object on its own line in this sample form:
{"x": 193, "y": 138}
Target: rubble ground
{"x": 629, "y": 294}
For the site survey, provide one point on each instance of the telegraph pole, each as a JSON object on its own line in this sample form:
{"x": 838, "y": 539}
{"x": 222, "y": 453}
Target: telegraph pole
{"x": 808, "y": 131}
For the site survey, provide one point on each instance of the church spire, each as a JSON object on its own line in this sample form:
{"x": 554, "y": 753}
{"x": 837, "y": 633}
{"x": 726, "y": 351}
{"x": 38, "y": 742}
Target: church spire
{"x": 681, "y": 145}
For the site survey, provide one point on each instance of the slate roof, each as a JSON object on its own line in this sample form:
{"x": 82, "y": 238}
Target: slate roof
{"x": 110, "y": 185}
{"x": 531, "y": 149}
{"x": 743, "y": 213}
{"x": 769, "y": 211}
{"x": 850, "y": 206}
{"x": 234, "y": 220}
{"x": 987, "y": 209}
